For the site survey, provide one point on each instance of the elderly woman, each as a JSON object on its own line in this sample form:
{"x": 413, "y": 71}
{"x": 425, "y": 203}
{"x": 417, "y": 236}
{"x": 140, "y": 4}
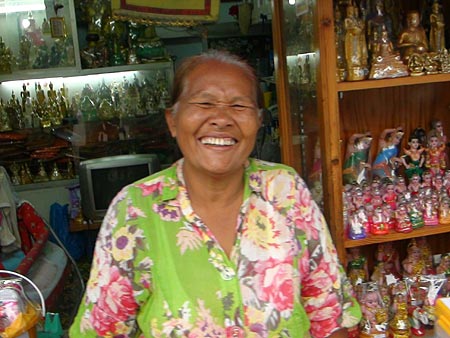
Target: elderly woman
{"x": 219, "y": 244}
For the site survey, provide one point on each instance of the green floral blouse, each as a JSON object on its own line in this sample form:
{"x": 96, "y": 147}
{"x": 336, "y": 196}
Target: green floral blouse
{"x": 158, "y": 271}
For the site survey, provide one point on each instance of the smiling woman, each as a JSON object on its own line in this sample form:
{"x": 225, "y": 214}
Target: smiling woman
{"x": 249, "y": 228}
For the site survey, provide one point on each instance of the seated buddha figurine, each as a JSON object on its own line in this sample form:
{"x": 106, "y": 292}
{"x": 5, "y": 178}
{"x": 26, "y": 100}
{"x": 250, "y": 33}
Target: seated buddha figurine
{"x": 386, "y": 62}
{"x": 413, "y": 38}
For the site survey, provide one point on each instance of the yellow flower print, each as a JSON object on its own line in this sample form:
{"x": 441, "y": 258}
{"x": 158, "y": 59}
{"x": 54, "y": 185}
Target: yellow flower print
{"x": 123, "y": 244}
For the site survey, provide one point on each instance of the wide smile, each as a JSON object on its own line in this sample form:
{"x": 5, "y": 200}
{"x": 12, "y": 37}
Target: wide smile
{"x": 218, "y": 141}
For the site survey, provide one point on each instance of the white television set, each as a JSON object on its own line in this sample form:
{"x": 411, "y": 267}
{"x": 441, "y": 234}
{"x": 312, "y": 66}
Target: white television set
{"x": 102, "y": 178}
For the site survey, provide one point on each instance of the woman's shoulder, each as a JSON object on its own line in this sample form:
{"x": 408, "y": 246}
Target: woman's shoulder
{"x": 266, "y": 166}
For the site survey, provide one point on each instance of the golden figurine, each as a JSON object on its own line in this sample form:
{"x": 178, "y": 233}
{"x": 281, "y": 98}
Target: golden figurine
{"x": 437, "y": 28}
{"x": 24, "y": 174}
{"x": 55, "y": 175}
{"x": 41, "y": 175}
{"x": 6, "y": 58}
{"x": 355, "y": 45}
{"x": 413, "y": 38}
{"x": 416, "y": 65}
{"x": 386, "y": 62}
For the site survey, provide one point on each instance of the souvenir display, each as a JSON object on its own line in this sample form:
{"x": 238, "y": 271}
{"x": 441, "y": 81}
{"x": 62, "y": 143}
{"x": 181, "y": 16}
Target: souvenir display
{"x": 375, "y": 40}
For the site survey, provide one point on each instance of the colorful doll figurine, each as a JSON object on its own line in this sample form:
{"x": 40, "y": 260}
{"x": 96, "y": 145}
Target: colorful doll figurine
{"x": 389, "y": 196}
{"x": 379, "y": 224}
{"x": 413, "y": 265}
{"x": 444, "y": 265}
{"x": 388, "y": 255}
{"x": 356, "y": 164}
{"x": 413, "y": 158}
{"x": 367, "y": 193}
{"x": 427, "y": 179}
{"x": 400, "y": 185}
{"x": 415, "y": 215}
{"x": 444, "y": 211}
{"x": 430, "y": 212}
{"x": 414, "y": 184}
{"x": 403, "y": 220}
{"x": 359, "y": 224}
{"x": 447, "y": 181}
{"x": 437, "y": 182}
{"x": 435, "y": 154}
{"x": 389, "y": 216}
{"x": 377, "y": 198}
{"x": 358, "y": 198}
{"x": 387, "y": 161}
{"x": 439, "y": 128}
{"x": 427, "y": 256}
{"x": 357, "y": 268}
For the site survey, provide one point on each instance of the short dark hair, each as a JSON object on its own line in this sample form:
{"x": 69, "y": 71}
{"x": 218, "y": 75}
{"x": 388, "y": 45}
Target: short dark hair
{"x": 190, "y": 63}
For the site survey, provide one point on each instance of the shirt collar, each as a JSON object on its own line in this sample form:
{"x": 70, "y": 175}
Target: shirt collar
{"x": 174, "y": 179}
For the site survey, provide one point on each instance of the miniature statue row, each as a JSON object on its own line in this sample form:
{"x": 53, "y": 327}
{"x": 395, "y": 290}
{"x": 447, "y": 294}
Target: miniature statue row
{"x": 45, "y": 109}
{"x": 398, "y": 297}
{"x": 368, "y": 44}
{"x": 424, "y": 152}
{"x": 392, "y": 205}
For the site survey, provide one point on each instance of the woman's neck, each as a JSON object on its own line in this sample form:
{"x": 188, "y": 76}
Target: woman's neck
{"x": 209, "y": 189}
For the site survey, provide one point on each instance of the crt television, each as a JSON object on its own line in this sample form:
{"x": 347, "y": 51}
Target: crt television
{"x": 102, "y": 178}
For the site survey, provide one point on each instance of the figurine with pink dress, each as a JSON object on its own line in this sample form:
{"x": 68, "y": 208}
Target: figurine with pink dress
{"x": 389, "y": 196}
{"x": 414, "y": 184}
{"x": 435, "y": 159}
{"x": 379, "y": 224}
{"x": 430, "y": 212}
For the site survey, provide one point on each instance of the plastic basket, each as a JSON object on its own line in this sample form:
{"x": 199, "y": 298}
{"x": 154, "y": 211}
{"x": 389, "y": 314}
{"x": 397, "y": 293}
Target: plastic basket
{"x": 29, "y": 332}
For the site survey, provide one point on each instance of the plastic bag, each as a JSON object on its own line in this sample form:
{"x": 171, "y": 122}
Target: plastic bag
{"x": 17, "y": 313}
{"x": 59, "y": 221}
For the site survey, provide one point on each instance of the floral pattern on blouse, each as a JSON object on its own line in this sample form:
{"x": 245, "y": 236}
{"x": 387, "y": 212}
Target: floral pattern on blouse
{"x": 158, "y": 271}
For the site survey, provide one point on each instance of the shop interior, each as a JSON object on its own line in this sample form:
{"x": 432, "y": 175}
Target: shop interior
{"x": 83, "y": 90}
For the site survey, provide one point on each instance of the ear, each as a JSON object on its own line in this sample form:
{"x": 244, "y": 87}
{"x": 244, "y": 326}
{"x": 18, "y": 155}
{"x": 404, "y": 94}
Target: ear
{"x": 171, "y": 121}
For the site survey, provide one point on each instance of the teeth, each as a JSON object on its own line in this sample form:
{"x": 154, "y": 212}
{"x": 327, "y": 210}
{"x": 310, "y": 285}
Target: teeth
{"x": 218, "y": 141}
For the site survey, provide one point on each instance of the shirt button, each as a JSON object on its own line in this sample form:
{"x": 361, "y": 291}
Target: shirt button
{"x": 227, "y": 274}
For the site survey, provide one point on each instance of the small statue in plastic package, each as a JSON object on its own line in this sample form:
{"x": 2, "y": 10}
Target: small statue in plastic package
{"x": 374, "y": 321}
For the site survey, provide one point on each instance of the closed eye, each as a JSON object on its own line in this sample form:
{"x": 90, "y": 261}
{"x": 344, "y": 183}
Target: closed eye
{"x": 204, "y": 105}
{"x": 240, "y": 107}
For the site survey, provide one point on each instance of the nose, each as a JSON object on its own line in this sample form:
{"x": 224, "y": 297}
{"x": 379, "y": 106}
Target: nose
{"x": 221, "y": 116}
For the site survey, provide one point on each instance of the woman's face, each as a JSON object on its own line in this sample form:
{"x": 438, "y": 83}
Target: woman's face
{"x": 217, "y": 118}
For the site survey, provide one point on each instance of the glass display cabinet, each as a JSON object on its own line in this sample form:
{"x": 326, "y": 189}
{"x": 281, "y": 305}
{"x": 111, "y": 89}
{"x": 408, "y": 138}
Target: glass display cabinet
{"x": 37, "y": 35}
{"x": 54, "y": 113}
{"x": 326, "y": 111}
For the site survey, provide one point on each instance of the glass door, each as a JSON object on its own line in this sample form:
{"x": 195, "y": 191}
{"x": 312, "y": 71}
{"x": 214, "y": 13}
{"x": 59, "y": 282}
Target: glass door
{"x": 296, "y": 63}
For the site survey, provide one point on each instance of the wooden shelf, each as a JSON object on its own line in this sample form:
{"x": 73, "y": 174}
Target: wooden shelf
{"x": 396, "y": 236}
{"x": 383, "y": 83}
{"x": 74, "y": 71}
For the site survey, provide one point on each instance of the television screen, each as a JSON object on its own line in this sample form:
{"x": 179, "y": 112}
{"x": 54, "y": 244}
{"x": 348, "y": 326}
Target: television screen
{"x": 102, "y": 178}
